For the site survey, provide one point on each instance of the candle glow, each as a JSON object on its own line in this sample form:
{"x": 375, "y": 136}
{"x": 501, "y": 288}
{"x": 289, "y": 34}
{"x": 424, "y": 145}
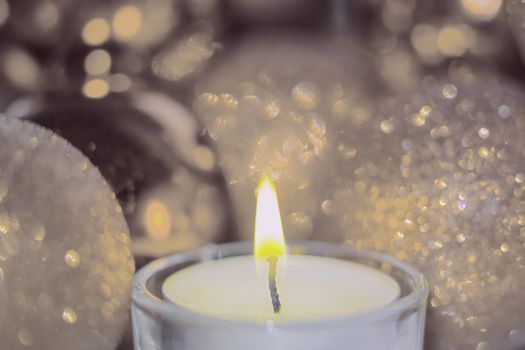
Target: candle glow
{"x": 250, "y": 288}
{"x": 269, "y": 236}
{"x": 157, "y": 220}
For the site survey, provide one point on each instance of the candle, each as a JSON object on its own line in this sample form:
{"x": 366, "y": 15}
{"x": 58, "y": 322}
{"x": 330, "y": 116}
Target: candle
{"x": 314, "y": 296}
{"x": 309, "y": 287}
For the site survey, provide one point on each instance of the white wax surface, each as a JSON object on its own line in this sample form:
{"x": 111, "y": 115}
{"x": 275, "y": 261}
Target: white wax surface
{"x": 310, "y": 287}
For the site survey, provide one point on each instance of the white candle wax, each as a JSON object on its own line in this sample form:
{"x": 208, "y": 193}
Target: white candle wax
{"x": 310, "y": 287}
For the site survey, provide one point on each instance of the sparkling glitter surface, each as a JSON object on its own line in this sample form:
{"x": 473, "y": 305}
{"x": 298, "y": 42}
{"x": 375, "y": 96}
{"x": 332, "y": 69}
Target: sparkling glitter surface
{"x": 164, "y": 177}
{"x": 272, "y": 107}
{"x": 442, "y": 188}
{"x": 65, "y": 262}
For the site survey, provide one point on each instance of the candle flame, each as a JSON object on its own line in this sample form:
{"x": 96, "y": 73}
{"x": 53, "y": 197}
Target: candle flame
{"x": 269, "y": 236}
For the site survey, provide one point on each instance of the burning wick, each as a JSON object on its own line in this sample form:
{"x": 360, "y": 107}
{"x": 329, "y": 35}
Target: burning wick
{"x": 269, "y": 242}
{"x": 276, "y": 302}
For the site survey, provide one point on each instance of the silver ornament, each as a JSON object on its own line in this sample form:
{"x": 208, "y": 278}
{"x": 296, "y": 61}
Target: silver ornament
{"x": 438, "y": 181}
{"x": 65, "y": 263}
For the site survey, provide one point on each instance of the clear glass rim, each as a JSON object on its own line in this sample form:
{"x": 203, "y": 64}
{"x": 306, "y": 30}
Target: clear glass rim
{"x": 144, "y": 299}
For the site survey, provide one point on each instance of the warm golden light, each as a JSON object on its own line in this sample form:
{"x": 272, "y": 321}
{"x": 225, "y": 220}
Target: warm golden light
{"x": 96, "y": 32}
{"x": 95, "y": 88}
{"x": 157, "y": 219}
{"x": 483, "y": 10}
{"x": 127, "y": 22}
{"x": 269, "y": 236}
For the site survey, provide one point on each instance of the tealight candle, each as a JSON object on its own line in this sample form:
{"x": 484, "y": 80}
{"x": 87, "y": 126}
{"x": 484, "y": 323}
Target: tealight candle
{"x": 316, "y": 296}
{"x": 310, "y": 287}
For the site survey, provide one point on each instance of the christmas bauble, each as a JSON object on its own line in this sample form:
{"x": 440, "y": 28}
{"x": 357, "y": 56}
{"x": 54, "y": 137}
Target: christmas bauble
{"x": 65, "y": 262}
{"x": 438, "y": 181}
{"x": 148, "y": 149}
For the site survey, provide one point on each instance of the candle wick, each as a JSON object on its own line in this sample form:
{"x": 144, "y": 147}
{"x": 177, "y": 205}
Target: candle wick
{"x": 276, "y": 302}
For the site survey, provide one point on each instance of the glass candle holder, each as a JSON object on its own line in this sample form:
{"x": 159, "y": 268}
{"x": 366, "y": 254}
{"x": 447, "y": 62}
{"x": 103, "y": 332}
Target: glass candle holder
{"x": 162, "y": 325}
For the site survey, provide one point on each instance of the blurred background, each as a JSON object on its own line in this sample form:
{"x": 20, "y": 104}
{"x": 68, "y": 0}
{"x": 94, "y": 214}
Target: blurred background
{"x": 392, "y": 125}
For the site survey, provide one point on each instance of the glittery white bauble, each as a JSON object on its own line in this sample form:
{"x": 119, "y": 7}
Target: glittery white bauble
{"x": 438, "y": 180}
{"x": 65, "y": 264}
{"x": 273, "y": 107}
{"x": 149, "y": 151}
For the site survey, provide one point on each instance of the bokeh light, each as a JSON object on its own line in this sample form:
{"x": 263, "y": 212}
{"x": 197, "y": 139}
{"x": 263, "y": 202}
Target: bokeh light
{"x": 97, "y": 62}
{"x": 157, "y": 220}
{"x": 483, "y": 10}
{"x": 21, "y": 69}
{"x": 185, "y": 58}
{"x": 96, "y": 31}
{"x": 46, "y": 15}
{"x": 119, "y": 82}
{"x": 95, "y": 88}
{"x": 127, "y": 22}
